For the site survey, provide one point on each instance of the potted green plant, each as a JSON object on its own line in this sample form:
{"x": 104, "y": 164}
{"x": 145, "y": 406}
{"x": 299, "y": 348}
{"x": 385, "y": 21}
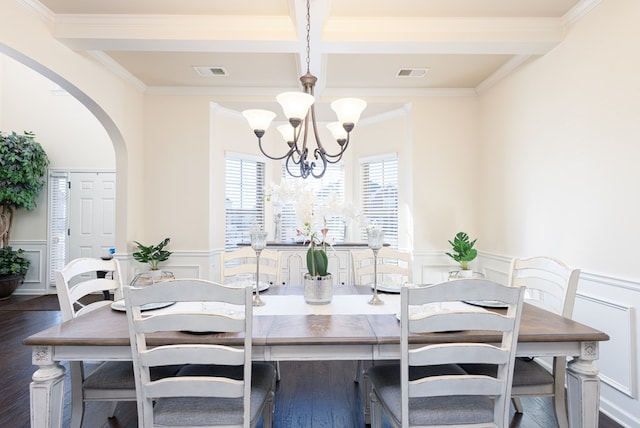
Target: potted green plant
{"x": 13, "y": 267}
{"x": 23, "y": 168}
{"x": 463, "y": 252}
{"x": 318, "y": 283}
{"x": 152, "y": 254}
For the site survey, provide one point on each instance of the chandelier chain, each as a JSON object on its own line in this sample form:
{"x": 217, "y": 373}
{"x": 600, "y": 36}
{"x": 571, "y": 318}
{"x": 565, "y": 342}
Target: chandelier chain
{"x": 308, "y": 33}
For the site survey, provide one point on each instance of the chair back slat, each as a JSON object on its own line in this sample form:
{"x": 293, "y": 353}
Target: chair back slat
{"x": 462, "y": 353}
{"x": 193, "y": 354}
{"x": 452, "y": 385}
{"x": 192, "y": 386}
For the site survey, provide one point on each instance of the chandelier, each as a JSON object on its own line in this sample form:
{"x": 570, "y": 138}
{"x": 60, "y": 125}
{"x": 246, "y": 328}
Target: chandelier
{"x": 299, "y": 109}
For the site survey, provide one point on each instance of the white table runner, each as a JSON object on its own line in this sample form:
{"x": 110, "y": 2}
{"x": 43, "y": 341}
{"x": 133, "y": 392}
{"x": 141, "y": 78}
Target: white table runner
{"x": 340, "y": 305}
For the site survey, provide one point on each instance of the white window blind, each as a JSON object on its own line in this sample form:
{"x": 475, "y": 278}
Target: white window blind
{"x": 244, "y": 197}
{"x": 58, "y": 222}
{"x": 379, "y": 196}
{"x": 332, "y": 183}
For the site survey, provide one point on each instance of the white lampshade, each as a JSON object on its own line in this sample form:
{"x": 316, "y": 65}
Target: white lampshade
{"x": 287, "y": 132}
{"x": 348, "y": 109}
{"x": 295, "y": 104}
{"x": 259, "y": 119}
{"x": 337, "y": 130}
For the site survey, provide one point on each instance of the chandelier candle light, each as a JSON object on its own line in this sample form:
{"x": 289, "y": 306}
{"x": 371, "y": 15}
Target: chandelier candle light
{"x": 258, "y": 243}
{"x": 298, "y": 107}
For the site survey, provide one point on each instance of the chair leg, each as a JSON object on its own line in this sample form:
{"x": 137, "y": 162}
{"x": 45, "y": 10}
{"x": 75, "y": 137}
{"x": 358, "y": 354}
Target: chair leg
{"x": 77, "y": 401}
{"x": 277, "y": 371}
{"x": 376, "y": 411}
{"x": 517, "y": 404}
{"x": 560, "y": 408}
{"x": 112, "y": 409}
{"x": 358, "y": 371}
{"x": 267, "y": 413}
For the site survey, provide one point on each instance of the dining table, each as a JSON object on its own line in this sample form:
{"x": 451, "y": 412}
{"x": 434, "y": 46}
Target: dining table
{"x": 286, "y": 328}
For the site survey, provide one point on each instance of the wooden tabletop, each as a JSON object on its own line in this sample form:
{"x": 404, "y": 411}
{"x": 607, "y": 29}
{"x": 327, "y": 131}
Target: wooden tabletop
{"x": 106, "y": 327}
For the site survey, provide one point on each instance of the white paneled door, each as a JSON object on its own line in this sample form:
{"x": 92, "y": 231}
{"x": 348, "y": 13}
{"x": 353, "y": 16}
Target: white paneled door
{"x": 92, "y": 198}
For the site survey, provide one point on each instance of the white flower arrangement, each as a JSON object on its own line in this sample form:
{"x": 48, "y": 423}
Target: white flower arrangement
{"x": 311, "y": 211}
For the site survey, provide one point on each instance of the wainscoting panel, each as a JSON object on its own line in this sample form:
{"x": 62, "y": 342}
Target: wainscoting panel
{"x": 35, "y": 282}
{"x": 618, "y": 360}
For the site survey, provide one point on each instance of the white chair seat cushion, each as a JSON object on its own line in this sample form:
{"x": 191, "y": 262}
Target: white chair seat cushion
{"x": 445, "y": 410}
{"x": 119, "y": 375}
{"x": 526, "y": 372}
{"x": 207, "y": 411}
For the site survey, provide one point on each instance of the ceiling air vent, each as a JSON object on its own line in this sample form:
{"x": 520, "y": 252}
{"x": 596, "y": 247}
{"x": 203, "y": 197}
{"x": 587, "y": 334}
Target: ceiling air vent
{"x": 210, "y": 71}
{"x": 412, "y": 72}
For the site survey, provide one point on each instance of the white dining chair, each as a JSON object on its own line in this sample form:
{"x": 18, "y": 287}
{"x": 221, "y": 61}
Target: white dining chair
{"x": 395, "y": 267}
{"x": 109, "y": 381}
{"x": 428, "y": 387}
{"x": 218, "y": 384}
{"x": 235, "y": 263}
{"x": 551, "y": 285}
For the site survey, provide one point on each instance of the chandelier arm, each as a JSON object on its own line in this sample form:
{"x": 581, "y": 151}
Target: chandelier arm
{"x": 288, "y": 154}
{"x": 343, "y": 148}
{"x": 319, "y": 153}
{"x": 289, "y": 170}
{"x": 315, "y": 127}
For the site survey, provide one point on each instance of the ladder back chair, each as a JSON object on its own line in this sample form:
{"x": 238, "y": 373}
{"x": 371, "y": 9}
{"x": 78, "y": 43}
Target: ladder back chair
{"x": 218, "y": 385}
{"x": 395, "y": 267}
{"x": 110, "y": 381}
{"x": 428, "y": 387}
{"x": 551, "y": 285}
{"x": 243, "y": 261}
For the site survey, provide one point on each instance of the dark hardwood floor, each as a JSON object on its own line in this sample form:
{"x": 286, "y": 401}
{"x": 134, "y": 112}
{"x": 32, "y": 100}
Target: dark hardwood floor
{"x": 309, "y": 395}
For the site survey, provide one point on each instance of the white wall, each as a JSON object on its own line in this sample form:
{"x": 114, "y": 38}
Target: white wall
{"x": 560, "y": 177}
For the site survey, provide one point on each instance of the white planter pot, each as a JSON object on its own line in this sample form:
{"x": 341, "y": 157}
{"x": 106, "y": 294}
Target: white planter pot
{"x": 318, "y": 290}
{"x": 467, "y": 273}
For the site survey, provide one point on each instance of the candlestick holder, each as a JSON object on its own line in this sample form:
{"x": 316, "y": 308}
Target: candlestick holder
{"x": 376, "y": 239}
{"x": 258, "y": 243}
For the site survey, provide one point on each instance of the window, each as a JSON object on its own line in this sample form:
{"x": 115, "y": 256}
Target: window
{"x": 58, "y": 221}
{"x": 379, "y": 195}
{"x": 331, "y": 184}
{"x": 244, "y": 197}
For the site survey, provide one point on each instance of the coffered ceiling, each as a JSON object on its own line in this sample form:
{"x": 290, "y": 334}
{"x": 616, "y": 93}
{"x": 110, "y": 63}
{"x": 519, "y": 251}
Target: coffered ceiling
{"x": 357, "y": 47}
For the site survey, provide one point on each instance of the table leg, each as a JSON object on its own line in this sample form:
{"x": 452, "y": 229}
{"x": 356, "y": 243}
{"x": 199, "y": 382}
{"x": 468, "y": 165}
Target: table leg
{"x": 46, "y": 389}
{"x": 583, "y": 388}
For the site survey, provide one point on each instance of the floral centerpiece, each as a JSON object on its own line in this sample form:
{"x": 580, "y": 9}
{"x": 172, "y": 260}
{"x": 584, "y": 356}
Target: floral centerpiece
{"x": 314, "y": 215}
{"x": 317, "y": 260}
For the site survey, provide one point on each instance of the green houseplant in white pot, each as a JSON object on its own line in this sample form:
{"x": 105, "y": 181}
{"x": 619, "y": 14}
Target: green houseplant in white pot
{"x": 23, "y": 168}
{"x": 463, "y": 253}
{"x": 152, "y": 255}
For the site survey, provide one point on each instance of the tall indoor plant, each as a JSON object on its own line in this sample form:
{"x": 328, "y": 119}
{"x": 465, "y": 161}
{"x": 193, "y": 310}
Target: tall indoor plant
{"x": 23, "y": 168}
